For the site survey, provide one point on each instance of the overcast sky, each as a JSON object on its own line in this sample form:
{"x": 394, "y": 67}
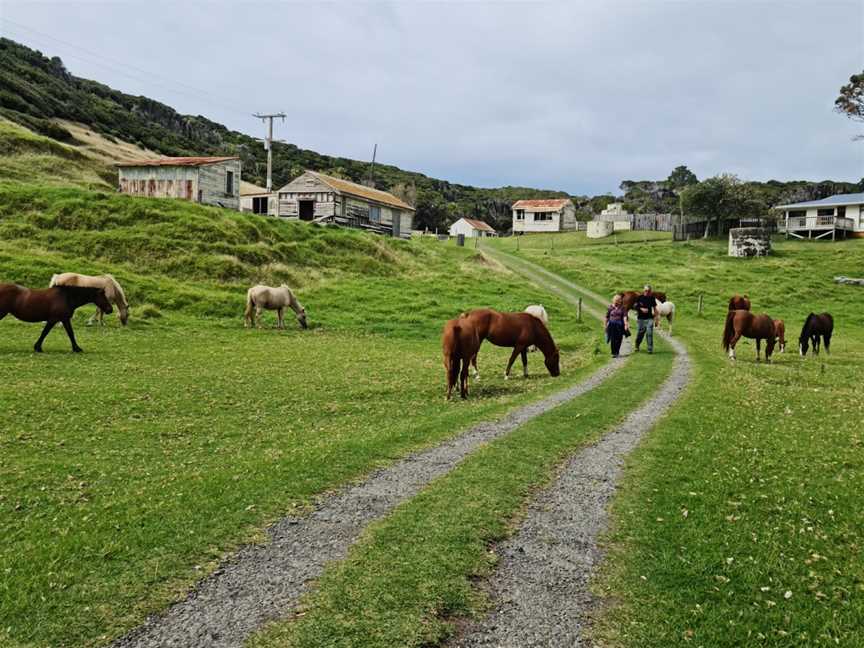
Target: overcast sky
{"x": 563, "y": 95}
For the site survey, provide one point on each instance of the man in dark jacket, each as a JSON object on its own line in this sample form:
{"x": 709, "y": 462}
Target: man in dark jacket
{"x": 645, "y": 304}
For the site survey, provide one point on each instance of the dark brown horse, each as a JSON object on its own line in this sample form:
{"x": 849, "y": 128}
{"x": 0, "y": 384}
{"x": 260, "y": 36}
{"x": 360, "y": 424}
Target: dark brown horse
{"x": 780, "y": 332}
{"x": 629, "y": 297}
{"x": 516, "y": 330}
{"x": 50, "y": 305}
{"x": 459, "y": 344}
{"x": 814, "y": 327}
{"x": 743, "y": 323}
{"x": 739, "y": 302}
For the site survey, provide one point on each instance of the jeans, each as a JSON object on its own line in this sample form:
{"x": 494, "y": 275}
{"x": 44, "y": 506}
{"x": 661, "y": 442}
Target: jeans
{"x": 615, "y": 332}
{"x": 646, "y": 330}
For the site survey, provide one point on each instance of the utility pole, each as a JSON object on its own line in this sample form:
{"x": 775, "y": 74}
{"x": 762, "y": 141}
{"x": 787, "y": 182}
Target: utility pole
{"x": 268, "y": 144}
{"x": 372, "y": 168}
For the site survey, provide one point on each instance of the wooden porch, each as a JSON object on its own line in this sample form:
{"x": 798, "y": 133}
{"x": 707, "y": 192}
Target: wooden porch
{"x": 818, "y": 227}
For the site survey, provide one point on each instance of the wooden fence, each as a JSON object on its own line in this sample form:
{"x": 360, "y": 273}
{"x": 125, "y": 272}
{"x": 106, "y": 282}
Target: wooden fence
{"x": 696, "y": 229}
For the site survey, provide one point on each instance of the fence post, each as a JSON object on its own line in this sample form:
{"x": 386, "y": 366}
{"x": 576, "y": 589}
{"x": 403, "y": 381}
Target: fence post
{"x": 701, "y": 303}
{"x": 579, "y": 310}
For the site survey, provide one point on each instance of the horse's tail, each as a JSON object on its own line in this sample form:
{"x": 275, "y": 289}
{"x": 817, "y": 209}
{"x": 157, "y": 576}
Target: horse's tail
{"x": 728, "y": 330}
{"x": 250, "y": 304}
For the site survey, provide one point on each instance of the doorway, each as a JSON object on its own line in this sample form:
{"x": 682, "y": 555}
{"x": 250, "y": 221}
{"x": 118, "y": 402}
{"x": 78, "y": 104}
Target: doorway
{"x": 307, "y": 210}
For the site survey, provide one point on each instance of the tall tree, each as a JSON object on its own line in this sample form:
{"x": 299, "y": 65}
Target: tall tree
{"x": 851, "y": 99}
{"x": 720, "y": 198}
{"x": 680, "y": 178}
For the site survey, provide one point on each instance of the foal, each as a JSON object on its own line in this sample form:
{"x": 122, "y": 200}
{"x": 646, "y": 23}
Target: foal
{"x": 50, "y": 305}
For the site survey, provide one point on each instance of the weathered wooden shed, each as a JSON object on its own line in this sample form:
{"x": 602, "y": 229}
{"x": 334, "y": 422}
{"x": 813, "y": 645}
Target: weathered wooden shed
{"x": 318, "y": 197}
{"x": 207, "y": 180}
{"x": 257, "y": 200}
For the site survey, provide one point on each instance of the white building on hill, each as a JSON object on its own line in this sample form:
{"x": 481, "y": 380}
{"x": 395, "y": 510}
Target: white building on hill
{"x": 841, "y": 215}
{"x": 549, "y": 215}
{"x": 472, "y": 228}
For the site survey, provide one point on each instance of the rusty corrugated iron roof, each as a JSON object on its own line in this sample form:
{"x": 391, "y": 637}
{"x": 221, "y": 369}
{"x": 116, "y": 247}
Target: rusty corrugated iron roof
{"x": 479, "y": 225}
{"x": 176, "y": 161}
{"x": 549, "y": 204}
{"x": 361, "y": 191}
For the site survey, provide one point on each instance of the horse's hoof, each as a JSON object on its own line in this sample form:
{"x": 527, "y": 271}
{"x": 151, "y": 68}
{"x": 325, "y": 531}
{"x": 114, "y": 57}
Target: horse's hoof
{"x": 77, "y": 350}
{"x": 506, "y": 377}
{"x": 37, "y": 349}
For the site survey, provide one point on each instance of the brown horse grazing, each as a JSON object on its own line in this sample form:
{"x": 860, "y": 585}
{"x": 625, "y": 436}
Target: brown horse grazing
{"x": 516, "y": 330}
{"x": 460, "y": 344}
{"x": 739, "y": 302}
{"x": 50, "y": 305}
{"x": 744, "y": 323}
{"x": 780, "y": 332}
{"x": 629, "y": 297}
{"x": 814, "y": 326}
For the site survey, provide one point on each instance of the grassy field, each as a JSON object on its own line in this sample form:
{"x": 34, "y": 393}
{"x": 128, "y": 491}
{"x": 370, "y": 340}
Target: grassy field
{"x": 128, "y": 471}
{"x": 741, "y": 517}
{"x": 413, "y": 574}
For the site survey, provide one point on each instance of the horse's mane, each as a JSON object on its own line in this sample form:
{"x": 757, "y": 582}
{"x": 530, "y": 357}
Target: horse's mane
{"x": 117, "y": 288}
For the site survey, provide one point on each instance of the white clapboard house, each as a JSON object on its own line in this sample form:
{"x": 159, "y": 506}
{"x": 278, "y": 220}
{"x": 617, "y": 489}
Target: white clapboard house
{"x": 322, "y": 198}
{"x": 549, "y": 215}
{"x": 472, "y": 228}
{"x": 833, "y": 217}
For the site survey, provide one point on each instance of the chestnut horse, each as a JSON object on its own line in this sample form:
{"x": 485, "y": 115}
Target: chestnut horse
{"x": 629, "y": 297}
{"x": 780, "y": 332}
{"x": 516, "y": 330}
{"x": 50, "y": 305}
{"x": 814, "y": 326}
{"x": 739, "y": 302}
{"x": 744, "y": 323}
{"x": 459, "y": 344}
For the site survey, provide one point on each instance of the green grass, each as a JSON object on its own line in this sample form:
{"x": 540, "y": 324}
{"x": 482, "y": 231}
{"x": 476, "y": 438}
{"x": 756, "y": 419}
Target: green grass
{"x": 413, "y": 573}
{"x": 128, "y": 471}
{"x": 571, "y": 240}
{"x": 740, "y": 521}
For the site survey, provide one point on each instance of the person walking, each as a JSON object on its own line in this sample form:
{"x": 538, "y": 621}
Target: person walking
{"x": 616, "y": 325}
{"x": 645, "y": 305}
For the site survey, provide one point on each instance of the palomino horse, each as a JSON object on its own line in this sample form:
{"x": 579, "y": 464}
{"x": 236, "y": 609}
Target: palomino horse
{"x": 629, "y": 297}
{"x": 260, "y": 297}
{"x": 815, "y": 326}
{"x": 739, "y": 302}
{"x": 780, "y": 332}
{"x": 50, "y": 305}
{"x": 667, "y": 310}
{"x": 106, "y": 282}
{"x": 516, "y": 330}
{"x": 744, "y": 323}
{"x": 459, "y": 344}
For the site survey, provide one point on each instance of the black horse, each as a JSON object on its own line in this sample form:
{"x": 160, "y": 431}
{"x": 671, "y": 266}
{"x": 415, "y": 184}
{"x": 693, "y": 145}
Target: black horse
{"x": 50, "y": 305}
{"x": 815, "y": 326}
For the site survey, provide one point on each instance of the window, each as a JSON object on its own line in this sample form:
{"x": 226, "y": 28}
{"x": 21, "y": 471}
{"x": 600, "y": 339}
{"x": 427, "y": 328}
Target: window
{"x": 260, "y": 205}
{"x": 841, "y": 211}
{"x": 825, "y": 212}
{"x": 543, "y": 216}
{"x": 229, "y": 183}
{"x": 375, "y": 214}
{"x": 520, "y": 214}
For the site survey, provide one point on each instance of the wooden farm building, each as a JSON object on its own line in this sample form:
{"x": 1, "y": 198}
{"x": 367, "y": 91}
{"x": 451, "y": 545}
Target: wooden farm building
{"x": 837, "y": 216}
{"x": 472, "y": 228}
{"x": 321, "y": 198}
{"x": 257, "y": 200}
{"x": 555, "y": 215}
{"x": 206, "y": 180}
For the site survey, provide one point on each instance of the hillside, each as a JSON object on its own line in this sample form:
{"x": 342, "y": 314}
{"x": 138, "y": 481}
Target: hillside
{"x": 39, "y": 93}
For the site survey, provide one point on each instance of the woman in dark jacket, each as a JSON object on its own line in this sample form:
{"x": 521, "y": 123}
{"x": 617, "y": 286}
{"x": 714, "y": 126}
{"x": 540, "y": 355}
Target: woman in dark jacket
{"x": 616, "y": 324}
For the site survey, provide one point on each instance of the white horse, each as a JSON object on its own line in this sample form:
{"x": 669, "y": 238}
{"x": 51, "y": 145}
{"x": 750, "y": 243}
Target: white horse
{"x": 665, "y": 309}
{"x": 106, "y": 282}
{"x": 540, "y": 313}
{"x": 260, "y": 297}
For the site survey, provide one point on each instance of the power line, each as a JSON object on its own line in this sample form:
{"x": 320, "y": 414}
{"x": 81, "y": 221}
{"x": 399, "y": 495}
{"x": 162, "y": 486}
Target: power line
{"x": 163, "y": 80}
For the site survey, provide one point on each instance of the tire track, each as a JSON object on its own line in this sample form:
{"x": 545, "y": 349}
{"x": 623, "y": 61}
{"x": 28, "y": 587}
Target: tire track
{"x": 540, "y": 590}
{"x": 261, "y": 583}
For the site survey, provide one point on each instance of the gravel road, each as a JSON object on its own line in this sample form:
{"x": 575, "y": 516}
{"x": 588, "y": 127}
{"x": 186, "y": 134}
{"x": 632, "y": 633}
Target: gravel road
{"x": 263, "y": 582}
{"x": 540, "y": 589}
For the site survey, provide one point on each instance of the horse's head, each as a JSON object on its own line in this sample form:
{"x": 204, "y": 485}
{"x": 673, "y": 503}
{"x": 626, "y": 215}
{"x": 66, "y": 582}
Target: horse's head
{"x": 102, "y": 302}
{"x": 301, "y": 318}
{"x": 804, "y": 338}
{"x": 552, "y": 361}
{"x": 123, "y": 310}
